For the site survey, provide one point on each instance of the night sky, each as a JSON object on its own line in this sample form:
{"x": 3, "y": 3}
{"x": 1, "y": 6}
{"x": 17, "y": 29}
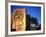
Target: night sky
{"x": 31, "y": 10}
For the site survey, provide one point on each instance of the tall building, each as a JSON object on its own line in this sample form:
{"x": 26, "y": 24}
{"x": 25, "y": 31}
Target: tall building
{"x": 19, "y": 19}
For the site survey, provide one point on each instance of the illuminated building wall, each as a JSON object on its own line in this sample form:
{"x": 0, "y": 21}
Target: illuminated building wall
{"x": 19, "y": 20}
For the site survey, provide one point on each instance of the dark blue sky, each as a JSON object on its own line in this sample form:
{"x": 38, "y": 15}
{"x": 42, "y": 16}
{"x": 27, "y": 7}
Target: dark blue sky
{"x": 31, "y": 10}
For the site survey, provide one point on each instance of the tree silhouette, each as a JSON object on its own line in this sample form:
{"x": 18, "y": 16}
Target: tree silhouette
{"x": 32, "y": 20}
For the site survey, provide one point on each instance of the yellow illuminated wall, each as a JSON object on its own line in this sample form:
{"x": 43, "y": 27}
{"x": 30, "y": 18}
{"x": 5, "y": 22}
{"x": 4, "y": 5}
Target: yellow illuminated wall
{"x": 24, "y": 20}
{"x": 19, "y": 25}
